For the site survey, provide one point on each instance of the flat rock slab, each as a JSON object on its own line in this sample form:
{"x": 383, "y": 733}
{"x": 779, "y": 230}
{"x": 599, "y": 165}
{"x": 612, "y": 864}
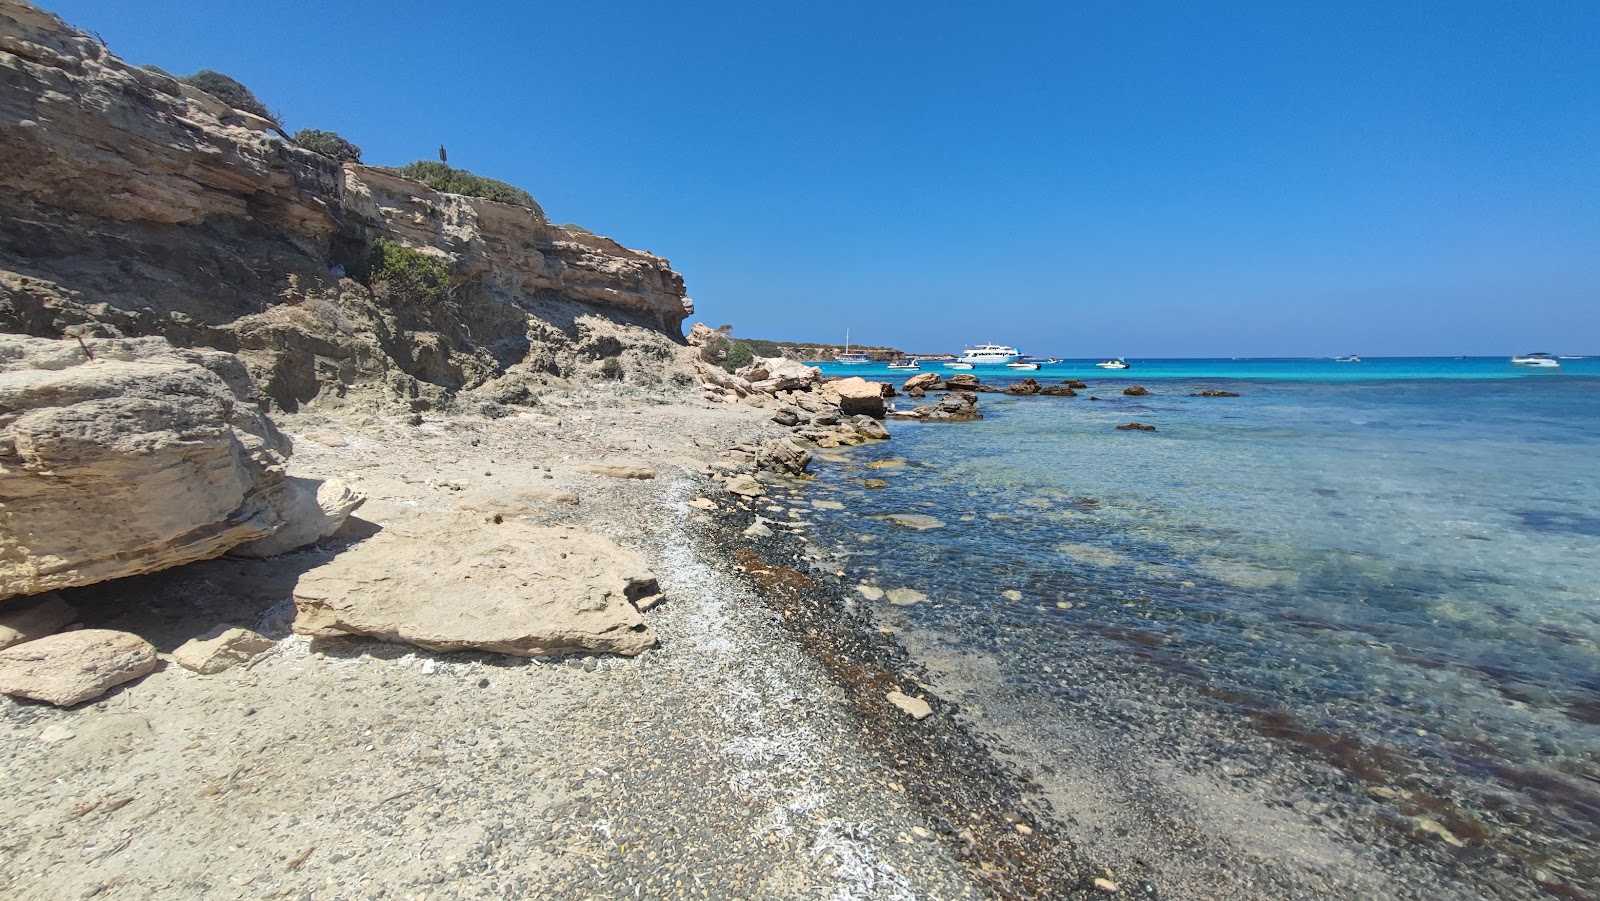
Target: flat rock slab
{"x": 620, "y": 469}
{"x": 220, "y": 649}
{"x": 513, "y": 588}
{"x": 918, "y": 521}
{"x": 905, "y": 597}
{"x": 25, "y": 619}
{"x": 73, "y": 667}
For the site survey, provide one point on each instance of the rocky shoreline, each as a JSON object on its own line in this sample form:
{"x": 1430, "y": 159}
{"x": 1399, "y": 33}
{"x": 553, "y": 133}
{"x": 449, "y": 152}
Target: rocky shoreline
{"x": 744, "y": 754}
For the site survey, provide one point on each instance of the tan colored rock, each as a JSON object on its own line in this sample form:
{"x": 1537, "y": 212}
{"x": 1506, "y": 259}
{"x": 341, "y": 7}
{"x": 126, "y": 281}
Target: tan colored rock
{"x": 782, "y": 455}
{"x": 770, "y": 375}
{"x": 857, "y": 396}
{"x": 870, "y": 592}
{"x": 916, "y": 708}
{"x": 905, "y": 597}
{"x": 220, "y": 649}
{"x": 311, "y": 509}
{"x": 456, "y": 584}
{"x": 72, "y": 667}
{"x": 135, "y": 459}
{"x": 25, "y": 619}
{"x": 620, "y": 469}
{"x": 919, "y": 521}
{"x": 923, "y": 380}
{"x": 703, "y": 503}
{"x": 745, "y": 485}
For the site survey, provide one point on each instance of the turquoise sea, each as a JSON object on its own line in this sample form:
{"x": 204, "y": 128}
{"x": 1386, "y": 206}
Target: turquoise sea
{"x": 1360, "y": 602}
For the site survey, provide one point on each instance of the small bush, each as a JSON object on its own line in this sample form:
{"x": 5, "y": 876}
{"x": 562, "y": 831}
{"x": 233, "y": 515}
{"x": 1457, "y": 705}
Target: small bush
{"x": 403, "y": 273}
{"x": 328, "y": 143}
{"x": 443, "y": 177}
{"x": 739, "y": 355}
{"x": 715, "y": 350}
{"x": 231, "y": 92}
{"x": 611, "y": 369}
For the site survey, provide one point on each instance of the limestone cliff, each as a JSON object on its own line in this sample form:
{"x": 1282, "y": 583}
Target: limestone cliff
{"x": 132, "y": 204}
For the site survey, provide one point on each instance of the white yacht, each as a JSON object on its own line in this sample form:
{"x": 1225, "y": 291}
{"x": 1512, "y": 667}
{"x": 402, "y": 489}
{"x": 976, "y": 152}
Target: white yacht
{"x": 1350, "y": 359}
{"x": 1543, "y": 360}
{"x": 1118, "y": 363}
{"x": 990, "y": 355}
{"x": 851, "y": 359}
{"x": 1022, "y": 364}
{"x": 958, "y": 364}
{"x": 905, "y": 363}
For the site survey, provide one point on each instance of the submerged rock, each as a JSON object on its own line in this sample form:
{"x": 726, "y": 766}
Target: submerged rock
{"x": 918, "y": 521}
{"x": 1214, "y": 392}
{"x": 74, "y": 667}
{"x": 1135, "y": 391}
{"x": 514, "y": 588}
{"x": 1135, "y": 426}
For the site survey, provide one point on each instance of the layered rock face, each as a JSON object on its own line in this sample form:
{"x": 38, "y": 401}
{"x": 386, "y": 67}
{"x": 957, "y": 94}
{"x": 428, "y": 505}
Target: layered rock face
{"x": 121, "y": 457}
{"x": 132, "y": 204}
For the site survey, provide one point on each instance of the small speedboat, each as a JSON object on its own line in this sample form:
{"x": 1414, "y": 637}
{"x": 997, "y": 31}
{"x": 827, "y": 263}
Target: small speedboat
{"x": 1118, "y": 363}
{"x": 958, "y": 365}
{"x": 1538, "y": 360}
{"x": 1350, "y": 359}
{"x": 905, "y": 363}
{"x": 1022, "y": 365}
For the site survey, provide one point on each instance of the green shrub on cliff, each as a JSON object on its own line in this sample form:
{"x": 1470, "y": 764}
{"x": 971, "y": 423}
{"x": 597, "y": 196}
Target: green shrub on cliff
{"x": 393, "y": 269}
{"x": 231, "y": 92}
{"x": 739, "y": 355}
{"x": 443, "y": 177}
{"x": 328, "y": 143}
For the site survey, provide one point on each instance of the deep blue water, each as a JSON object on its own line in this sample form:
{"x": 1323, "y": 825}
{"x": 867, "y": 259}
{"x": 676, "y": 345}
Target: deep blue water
{"x": 1389, "y": 569}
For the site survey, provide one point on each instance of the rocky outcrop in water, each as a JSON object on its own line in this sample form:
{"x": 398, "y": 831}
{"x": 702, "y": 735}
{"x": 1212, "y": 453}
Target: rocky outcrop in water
{"x": 959, "y": 406}
{"x": 132, "y": 204}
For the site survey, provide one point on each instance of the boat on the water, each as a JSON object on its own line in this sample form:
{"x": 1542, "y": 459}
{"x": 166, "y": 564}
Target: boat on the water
{"x": 850, "y": 359}
{"x": 990, "y": 355}
{"x": 905, "y": 363}
{"x": 1537, "y": 360}
{"x": 1022, "y": 364}
{"x": 1118, "y": 363}
{"x": 1350, "y": 359}
{"x": 958, "y": 365}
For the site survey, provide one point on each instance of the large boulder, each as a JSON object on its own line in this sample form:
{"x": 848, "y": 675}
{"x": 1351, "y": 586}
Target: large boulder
{"x": 773, "y": 374}
{"x": 857, "y": 396}
{"x": 73, "y": 667}
{"x": 127, "y": 456}
{"x": 1024, "y": 388}
{"x": 512, "y": 588}
{"x": 923, "y": 380}
{"x": 962, "y": 381}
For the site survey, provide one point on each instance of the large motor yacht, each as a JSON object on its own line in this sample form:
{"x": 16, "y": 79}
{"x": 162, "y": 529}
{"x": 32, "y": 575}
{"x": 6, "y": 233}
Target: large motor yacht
{"x": 990, "y": 355}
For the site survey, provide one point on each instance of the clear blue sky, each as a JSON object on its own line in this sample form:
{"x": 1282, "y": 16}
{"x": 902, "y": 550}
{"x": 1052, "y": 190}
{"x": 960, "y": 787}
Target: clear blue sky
{"x": 1079, "y": 179}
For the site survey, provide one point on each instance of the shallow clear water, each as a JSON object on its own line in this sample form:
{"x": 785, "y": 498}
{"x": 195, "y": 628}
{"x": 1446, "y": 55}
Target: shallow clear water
{"x": 1394, "y": 580}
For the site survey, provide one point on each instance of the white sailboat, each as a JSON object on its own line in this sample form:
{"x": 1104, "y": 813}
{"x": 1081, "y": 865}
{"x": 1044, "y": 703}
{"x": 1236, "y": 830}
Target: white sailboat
{"x": 848, "y": 358}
